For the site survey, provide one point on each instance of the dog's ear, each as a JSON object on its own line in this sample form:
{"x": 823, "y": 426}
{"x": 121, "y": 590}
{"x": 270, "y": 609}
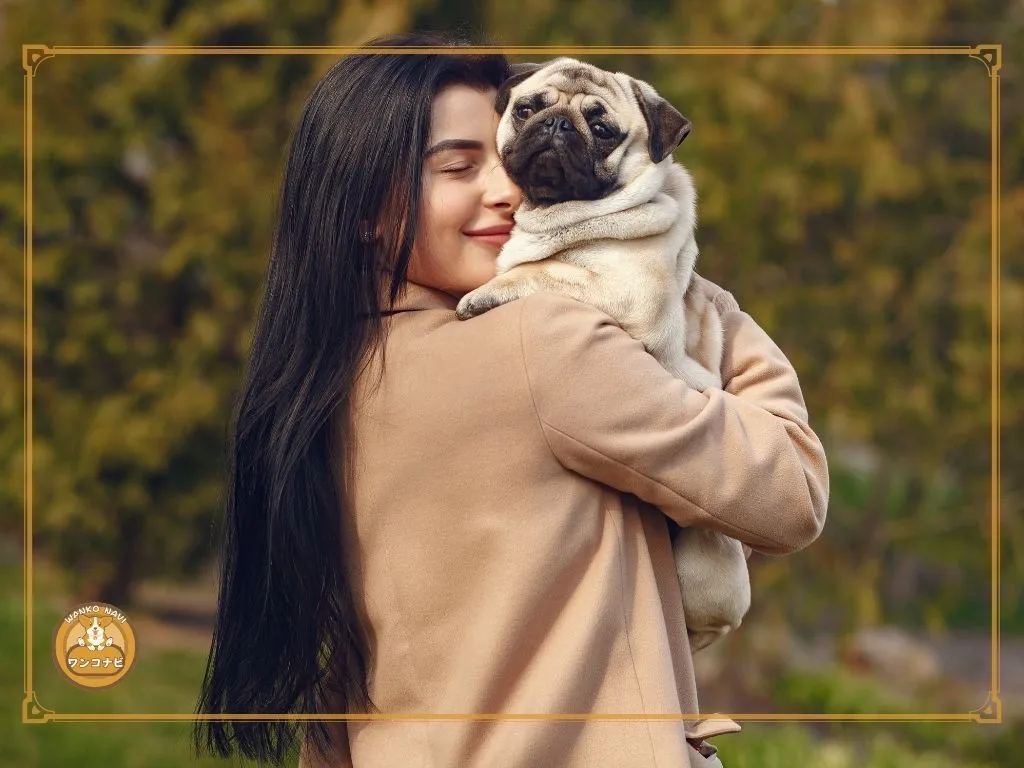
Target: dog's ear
{"x": 666, "y": 128}
{"x": 519, "y": 73}
{"x": 523, "y": 66}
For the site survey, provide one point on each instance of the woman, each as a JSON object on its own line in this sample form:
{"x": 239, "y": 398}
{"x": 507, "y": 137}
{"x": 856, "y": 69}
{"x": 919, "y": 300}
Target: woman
{"x": 442, "y": 517}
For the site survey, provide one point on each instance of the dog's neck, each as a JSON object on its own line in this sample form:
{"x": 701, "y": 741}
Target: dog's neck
{"x": 653, "y": 202}
{"x": 548, "y": 218}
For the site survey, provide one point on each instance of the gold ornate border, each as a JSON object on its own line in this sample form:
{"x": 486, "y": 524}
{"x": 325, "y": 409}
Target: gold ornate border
{"x": 990, "y": 55}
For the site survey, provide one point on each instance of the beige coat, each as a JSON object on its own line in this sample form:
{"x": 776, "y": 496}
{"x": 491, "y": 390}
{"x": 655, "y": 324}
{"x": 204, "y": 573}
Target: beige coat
{"x": 503, "y": 556}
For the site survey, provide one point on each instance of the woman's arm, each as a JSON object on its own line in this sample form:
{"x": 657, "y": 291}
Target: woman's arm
{"x": 743, "y": 461}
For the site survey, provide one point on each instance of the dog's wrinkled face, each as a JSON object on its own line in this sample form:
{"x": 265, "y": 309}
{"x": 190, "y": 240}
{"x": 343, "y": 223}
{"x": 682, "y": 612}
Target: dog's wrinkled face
{"x": 571, "y": 131}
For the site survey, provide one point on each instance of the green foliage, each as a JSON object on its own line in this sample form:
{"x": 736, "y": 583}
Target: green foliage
{"x": 835, "y": 690}
{"x": 153, "y": 202}
{"x": 780, "y": 746}
{"x": 914, "y": 743}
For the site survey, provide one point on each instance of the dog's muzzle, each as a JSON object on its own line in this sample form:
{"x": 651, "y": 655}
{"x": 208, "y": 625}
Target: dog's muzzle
{"x": 557, "y": 124}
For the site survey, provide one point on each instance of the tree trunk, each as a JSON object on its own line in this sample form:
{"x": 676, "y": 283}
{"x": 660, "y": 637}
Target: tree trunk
{"x": 119, "y": 587}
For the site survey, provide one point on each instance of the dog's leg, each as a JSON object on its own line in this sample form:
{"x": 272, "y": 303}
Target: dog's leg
{"x": 704, "y": 332}
{"x": 522, "y": 280}
{"x": 712, "y": 568}
{"x": 499, "y": 290}
{"x": 714, "y": 582}
{"x": 672, "y": 342}
{"x": 694, "y": 374}
{"x": 515, "y": 284}
{"x": 690, "y": 342}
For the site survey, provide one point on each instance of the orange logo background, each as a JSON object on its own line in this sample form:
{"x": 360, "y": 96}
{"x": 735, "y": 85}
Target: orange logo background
{"x": 94, "y": 645}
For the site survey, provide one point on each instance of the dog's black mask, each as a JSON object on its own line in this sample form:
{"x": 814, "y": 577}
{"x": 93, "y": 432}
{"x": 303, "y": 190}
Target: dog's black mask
{"x": 551, "y": 162}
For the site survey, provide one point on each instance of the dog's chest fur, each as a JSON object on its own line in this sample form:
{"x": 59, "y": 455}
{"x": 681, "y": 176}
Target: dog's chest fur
{"x": 639, "y": 240}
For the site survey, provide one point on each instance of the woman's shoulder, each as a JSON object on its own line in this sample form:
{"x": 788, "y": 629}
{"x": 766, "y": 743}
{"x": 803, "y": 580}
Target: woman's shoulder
{"x": 564, "y": 339}
{"x": 547, "y": 317}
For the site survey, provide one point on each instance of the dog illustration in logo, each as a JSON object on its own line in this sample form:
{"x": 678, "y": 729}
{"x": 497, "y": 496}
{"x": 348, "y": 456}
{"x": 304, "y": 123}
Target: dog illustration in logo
{"x": 95, "y": 653}
{"x": 95, "y": 632}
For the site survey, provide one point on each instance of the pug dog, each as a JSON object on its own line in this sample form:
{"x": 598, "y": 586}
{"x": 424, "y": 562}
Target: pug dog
{"x": 608, "y": 219}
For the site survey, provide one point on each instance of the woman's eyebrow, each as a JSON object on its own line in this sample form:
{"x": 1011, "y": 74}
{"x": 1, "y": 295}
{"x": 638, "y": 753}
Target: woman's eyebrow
{"x": 447, "y": 144}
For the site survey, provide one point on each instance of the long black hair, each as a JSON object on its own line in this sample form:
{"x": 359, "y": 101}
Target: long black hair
{"x": 287, "y": 637}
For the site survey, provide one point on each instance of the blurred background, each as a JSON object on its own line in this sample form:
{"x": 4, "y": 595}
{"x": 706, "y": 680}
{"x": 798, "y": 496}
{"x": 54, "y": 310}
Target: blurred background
{"x": 844, "y": 200}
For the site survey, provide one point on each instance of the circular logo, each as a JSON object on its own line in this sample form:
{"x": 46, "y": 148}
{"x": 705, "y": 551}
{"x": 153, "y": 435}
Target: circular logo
{"x": 94, "y": 646}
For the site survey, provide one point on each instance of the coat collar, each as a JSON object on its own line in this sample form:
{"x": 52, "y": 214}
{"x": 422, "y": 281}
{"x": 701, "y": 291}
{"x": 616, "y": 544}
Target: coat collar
{"x": 414, "y": 296}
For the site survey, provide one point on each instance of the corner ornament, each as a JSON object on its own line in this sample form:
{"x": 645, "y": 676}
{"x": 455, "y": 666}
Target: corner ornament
{"x": 34, "y": 55}
{"x": 991, "y": 711}
{"x": 989, "y": 55}
{"x": 34, "y": 712}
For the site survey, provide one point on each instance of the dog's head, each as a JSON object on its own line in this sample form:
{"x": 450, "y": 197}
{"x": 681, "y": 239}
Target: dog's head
{"x": 571, "y": 131}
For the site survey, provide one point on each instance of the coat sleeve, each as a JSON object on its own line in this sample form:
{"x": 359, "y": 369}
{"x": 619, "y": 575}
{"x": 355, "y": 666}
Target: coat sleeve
{"x": 742, "y": 461}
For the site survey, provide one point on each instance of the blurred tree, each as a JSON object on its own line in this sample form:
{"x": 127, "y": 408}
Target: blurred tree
{"x": 155, "y": 186}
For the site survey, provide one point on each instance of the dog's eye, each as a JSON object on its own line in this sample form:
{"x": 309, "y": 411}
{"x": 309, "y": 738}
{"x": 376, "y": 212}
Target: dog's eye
{"x": 600, "y": 130}
{"x": 523, "y": 111}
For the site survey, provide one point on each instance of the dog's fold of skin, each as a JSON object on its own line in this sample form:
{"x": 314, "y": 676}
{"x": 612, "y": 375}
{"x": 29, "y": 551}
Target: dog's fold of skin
{"x": 639, "y": 241}
{"x": 630, "y": 253}
{"x": 639, "y": 209}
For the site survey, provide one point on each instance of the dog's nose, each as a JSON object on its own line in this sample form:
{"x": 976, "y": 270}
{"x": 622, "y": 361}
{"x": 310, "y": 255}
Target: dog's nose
{"x": 558, "y": 125}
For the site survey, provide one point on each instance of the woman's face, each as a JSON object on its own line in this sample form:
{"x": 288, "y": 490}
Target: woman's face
{"x": 468, "y": 200}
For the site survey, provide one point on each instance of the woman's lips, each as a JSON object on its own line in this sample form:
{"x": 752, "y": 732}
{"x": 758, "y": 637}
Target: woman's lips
{"x": 498, "y": 239}
{"x": 497, "y": 235}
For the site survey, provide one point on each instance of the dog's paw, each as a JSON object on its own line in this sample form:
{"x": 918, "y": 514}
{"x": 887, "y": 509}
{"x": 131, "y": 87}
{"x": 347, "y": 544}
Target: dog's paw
{"x": 696, "y": 375}
{"x": 702, "y": 638}
{"x": 705, "y": 379}
{"x": 477, "y": 302}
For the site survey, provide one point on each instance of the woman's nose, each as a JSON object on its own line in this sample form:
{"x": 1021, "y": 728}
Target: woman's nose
{"x": 501, "y": 191}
